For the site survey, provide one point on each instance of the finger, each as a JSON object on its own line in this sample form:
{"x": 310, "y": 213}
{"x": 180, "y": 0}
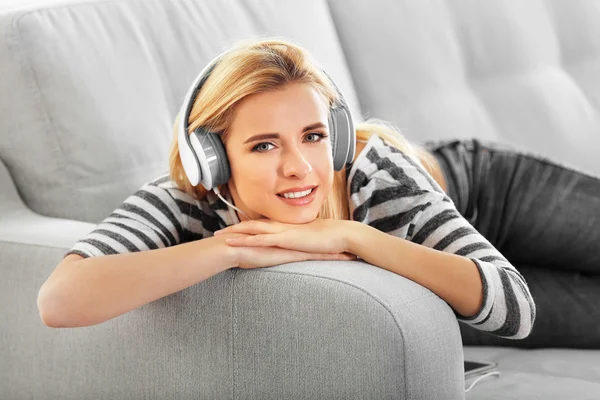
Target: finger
{"x": 324, "y": 256}
{"x": 238, "y": 228}
{"x": 252, "y": 227}
{"x": 345, "y": 256}
{"x": 348, "y": 256}
{"x": 340, "y": 256}
{"x": 253, "y": 241}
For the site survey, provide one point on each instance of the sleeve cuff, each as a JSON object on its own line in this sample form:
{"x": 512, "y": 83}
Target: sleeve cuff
{"x": 78, "y": 252}
{"x": 489, "y": 293}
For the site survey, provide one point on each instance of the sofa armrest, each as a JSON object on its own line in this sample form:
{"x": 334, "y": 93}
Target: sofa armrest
{"x": 314, "y": 329}
{"x": 19, "y": 224}
{"x": 343, "y": 329}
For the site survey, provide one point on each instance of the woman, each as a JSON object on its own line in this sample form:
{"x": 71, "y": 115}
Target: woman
{"x": 388, "y": 204}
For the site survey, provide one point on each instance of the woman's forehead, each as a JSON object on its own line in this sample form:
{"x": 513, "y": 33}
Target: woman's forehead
{"x": 288, "y": 110}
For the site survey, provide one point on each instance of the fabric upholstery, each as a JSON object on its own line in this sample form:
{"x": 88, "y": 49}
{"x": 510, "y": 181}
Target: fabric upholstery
{"x": 96, "y": 87}
{"x": 524, "y": 73}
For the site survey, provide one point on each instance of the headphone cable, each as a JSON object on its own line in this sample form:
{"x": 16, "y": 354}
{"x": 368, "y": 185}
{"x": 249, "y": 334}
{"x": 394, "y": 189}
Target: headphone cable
{"x": 480, "y": 378}
{"x": 218, "y": 193}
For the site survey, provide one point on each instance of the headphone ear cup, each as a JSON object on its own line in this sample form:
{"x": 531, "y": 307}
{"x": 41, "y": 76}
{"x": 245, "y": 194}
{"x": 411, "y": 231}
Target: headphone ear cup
{"x": 342, "y": 137}
{"x": 212, "y": 157}
{"x": 352, "y": 139}
{"x": 333, "y": 136}
{"x": 220, "y": 167}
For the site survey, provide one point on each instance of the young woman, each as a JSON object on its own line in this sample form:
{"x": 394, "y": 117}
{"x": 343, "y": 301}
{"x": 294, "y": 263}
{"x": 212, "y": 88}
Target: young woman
{"x": 392, "y": 204}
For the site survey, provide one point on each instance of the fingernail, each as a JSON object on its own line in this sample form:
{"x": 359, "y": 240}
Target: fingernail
{"x": 217, "y": 232}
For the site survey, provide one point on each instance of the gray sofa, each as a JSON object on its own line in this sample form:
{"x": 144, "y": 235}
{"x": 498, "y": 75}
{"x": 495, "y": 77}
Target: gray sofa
{"x": 89, "y": 91}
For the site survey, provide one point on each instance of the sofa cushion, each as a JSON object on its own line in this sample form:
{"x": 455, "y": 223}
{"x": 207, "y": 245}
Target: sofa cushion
{"x": 536, "y": 374}
{"x": 95, "y": 86}
{"x": 524, "y": 73}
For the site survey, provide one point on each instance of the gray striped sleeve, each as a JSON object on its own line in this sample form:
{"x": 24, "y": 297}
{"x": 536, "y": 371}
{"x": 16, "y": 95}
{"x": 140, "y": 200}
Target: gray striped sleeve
{"x": 151, "y": 218}
{"x": 394, "y": 193}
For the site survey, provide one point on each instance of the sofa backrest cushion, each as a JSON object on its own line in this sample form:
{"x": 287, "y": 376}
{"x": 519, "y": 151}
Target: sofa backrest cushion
{"x": 525, "y": 73}
{"x": 90, "y": 89}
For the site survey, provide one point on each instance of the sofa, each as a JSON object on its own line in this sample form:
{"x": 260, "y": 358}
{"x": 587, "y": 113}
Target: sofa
{"x": 89, "y": 92}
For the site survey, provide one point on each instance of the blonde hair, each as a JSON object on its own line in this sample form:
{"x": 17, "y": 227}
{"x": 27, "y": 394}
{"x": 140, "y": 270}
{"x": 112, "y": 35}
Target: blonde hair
{"x": 259, "y": 65}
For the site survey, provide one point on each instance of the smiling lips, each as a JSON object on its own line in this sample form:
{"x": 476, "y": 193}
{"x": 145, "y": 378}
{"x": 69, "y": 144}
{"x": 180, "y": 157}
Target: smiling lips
{"x": 299, "y": 201}
{"x": 297, "y": 189}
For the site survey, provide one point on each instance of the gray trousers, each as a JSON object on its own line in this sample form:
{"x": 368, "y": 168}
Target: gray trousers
{"x": 544, "y": 217}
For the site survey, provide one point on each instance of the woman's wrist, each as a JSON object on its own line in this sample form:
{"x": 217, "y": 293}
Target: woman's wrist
{"x": 230, "y": 253}
{"x": 354, "y": 236}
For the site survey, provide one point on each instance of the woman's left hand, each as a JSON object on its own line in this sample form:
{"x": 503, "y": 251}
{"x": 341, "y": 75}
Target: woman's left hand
{"x": 319, "y": 236}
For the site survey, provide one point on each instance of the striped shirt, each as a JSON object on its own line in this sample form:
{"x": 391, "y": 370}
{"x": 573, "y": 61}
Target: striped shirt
{"x": 386, "y": 189}
{"x": 392, "y": 192}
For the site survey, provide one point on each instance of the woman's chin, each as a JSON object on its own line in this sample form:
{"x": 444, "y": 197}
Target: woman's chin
{"x": 287, "y": 214}
{"x": 298, "y": 217}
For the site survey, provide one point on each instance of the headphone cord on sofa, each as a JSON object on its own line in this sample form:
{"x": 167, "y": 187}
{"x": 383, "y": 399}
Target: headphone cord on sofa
{"x": 480, "y": 378}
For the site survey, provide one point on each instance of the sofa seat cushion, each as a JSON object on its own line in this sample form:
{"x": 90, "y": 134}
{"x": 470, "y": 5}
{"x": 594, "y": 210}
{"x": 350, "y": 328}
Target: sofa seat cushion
{"x": 536, "y": 373}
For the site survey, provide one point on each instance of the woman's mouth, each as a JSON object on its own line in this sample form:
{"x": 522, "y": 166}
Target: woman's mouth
{"x": 299, "y": 198}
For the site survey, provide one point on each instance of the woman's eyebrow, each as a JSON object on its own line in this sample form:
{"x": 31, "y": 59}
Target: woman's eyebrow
{"x": 264, "y": 136}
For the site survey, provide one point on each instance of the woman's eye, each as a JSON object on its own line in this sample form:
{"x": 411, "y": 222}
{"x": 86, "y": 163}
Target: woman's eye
{"x": 263, "y": 147}
{"x": 258, "y": 148}
{"x": 319, "y": 135}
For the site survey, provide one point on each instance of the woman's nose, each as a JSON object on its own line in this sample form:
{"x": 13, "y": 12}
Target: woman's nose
{"x": 294, "y": 163}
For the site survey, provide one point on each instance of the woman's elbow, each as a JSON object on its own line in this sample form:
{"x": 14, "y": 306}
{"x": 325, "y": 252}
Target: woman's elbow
{"x": 528, "y": 314}
{"x": 47, "y": 309}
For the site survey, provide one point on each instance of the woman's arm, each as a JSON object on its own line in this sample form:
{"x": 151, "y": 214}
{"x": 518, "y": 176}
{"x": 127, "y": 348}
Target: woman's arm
{"x": 95, "y": 289}
{"x": 392, "y": 193}
{"x": 454, "y": 278}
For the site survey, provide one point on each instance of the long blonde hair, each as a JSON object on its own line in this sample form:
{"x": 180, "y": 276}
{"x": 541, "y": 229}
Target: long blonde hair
{"x": 260, "y": 65}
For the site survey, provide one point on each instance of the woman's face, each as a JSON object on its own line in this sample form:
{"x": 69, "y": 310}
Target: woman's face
{"x": 275, "y": 145}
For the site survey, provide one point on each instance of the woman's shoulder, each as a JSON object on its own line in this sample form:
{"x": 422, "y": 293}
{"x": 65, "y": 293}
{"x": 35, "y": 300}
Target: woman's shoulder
{"x": 164, "y": 183}
{"x": 207, "y": 209}
{"x": 379, "y": 164}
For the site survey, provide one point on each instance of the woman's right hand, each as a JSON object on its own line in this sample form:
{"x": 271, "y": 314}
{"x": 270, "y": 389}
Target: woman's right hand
{"x": 259, "y": 257}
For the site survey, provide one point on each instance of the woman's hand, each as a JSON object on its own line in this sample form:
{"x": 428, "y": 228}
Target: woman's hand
{"x": 259, "y": 257}
{"x": 323, "y": 236}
